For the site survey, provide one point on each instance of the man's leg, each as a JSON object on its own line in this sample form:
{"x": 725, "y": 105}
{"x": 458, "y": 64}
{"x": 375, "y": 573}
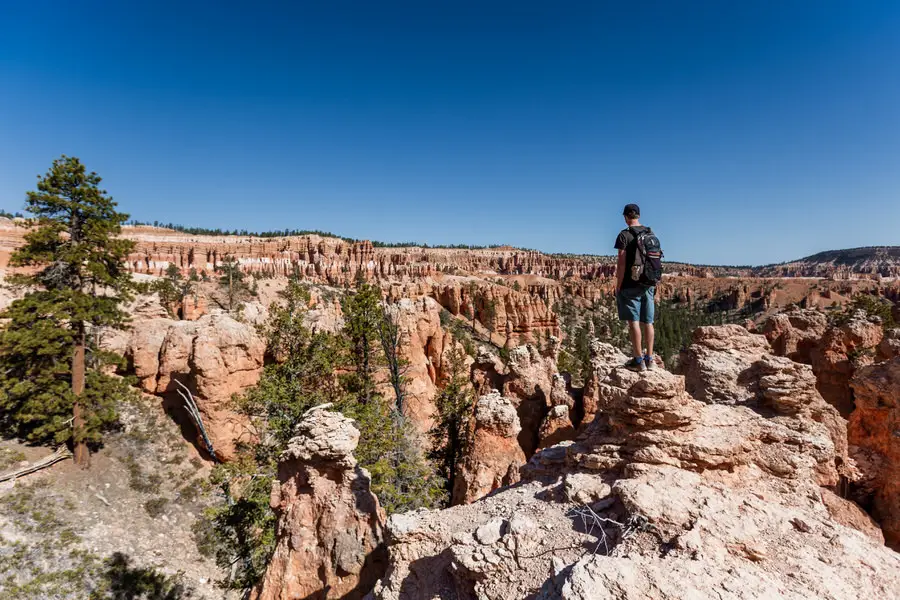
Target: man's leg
{"x": 649, "y": 335}
{"x": 634, "y": 331}
{"x": 648, "y": 315}
{"x": 629, "y": 306}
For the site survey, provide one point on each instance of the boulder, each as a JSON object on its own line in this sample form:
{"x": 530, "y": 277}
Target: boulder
{"x": 795, "y": 333}
{"x": 890, "y": 345}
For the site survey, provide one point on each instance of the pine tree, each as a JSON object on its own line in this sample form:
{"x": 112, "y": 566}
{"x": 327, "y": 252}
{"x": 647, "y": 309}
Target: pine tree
{"x": 81, "y": 279}
{"x": 472, "y": 311}
{"x": 304, "y": 373}
{"x": 450, "y": 436}
{"x": 490, "y": 315}
{"x": 391, "y": 337}
{"x": 173, "y": 289}
{"x": 231, "y": 280}
{"x": 362, "y": 320}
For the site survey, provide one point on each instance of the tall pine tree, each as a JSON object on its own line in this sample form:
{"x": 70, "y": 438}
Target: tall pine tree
{"x": 362, "y": 319}
{"x": 50, "y": 366}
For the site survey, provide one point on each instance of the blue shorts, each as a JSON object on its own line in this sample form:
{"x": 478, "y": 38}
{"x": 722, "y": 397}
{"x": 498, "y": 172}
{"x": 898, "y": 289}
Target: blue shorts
{"x": 636, "y": 304}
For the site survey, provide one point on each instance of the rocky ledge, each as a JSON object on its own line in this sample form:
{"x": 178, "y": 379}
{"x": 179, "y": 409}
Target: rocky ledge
{"x": 724, "y": 492}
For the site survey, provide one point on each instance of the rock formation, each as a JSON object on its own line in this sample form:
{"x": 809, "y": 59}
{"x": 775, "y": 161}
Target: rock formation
{"x": 890, "y": 345}
{"x": 834, "y": 351}
{"x": 494, "y": 456}
{"x": 423, "y": 345}
{"x": 874, "y": 435}
{"x": 194, "y": 306}
{"x": 604, "y": 357}
{"x": 329, "y": 532}
{"x": 841, "y": 351}
{"x": 730, "y": 365}
{"x": 665, "y": 496}
{"x": 796, "y": 333}
{"x": 545, "y": 403}
{"x": 214, "y": 357}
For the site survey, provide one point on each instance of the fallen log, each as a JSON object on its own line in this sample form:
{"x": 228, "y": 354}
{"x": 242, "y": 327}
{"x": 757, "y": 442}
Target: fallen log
{"x": 61, "y": 453}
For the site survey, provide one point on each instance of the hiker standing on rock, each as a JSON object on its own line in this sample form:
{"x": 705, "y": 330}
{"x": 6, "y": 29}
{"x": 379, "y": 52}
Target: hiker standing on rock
{"x": 638, "y": 271}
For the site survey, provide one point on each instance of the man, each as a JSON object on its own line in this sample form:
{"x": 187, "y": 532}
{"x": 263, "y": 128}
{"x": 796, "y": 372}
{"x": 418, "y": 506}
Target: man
{"x": 634, "y": 300}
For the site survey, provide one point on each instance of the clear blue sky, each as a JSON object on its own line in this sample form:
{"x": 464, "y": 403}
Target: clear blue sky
{"x": 749, "y": 132}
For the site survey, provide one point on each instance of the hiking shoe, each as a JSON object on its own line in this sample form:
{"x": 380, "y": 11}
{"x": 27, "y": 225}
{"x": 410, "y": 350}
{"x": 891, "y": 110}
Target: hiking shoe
{"x": 648, "y": 360}
{"x": 636, "y": 364}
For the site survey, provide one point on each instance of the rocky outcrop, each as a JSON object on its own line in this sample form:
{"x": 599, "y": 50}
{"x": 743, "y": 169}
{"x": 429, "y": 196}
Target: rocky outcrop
{"x": 529, "y": 382}
{"x": 329, "y": 531}
{"x": 424, "y": 346}
{"x": 664, "y": 497}
{"x": 729, "y": 365}
{"x": 874, "y": 435}
{"x": 835, "y": 352}
{"x": 543, "y": 398}
{"x": 214, "y": 357}
{"x": 494, "y": 455}
{"x": 890, "y": 345}
{"x": 193, "y": 306}
{"x": 604, "y": 358}
{"x": 795, "y": 333}
{"x": 841, "y": 351}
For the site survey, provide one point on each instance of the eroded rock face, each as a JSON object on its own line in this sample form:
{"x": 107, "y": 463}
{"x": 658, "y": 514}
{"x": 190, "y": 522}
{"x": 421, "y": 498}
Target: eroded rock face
{"x": 730, "y": 365}
{"x": 495, "y": 456}
{"x": 424, "y": 345}
{"x": 687, "y": 499}
{"x": 796, "y": 333}
{"x": 214, "y": 357}
{"x": 531, "y": 381}
{"x": 835, "y": 352}
{"x": 874, "y": 434}
{"x": 329, "y": 528}
{"x": 604, "y": 358}
{"x": 194, "y": 306}
{"x": 839, "y": 354}
{"x": 890, "y": 345}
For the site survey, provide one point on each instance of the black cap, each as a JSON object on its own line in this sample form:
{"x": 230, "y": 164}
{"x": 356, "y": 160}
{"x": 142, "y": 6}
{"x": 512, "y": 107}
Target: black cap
{"x": 632, "y": 208}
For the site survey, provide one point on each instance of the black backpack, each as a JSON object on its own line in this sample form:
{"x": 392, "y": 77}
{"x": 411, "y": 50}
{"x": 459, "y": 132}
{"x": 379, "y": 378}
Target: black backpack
{"x": 647, "y": 268}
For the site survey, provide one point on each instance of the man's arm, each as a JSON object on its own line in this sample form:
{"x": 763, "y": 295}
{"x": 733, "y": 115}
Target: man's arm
{"x": 620, "y": 270}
